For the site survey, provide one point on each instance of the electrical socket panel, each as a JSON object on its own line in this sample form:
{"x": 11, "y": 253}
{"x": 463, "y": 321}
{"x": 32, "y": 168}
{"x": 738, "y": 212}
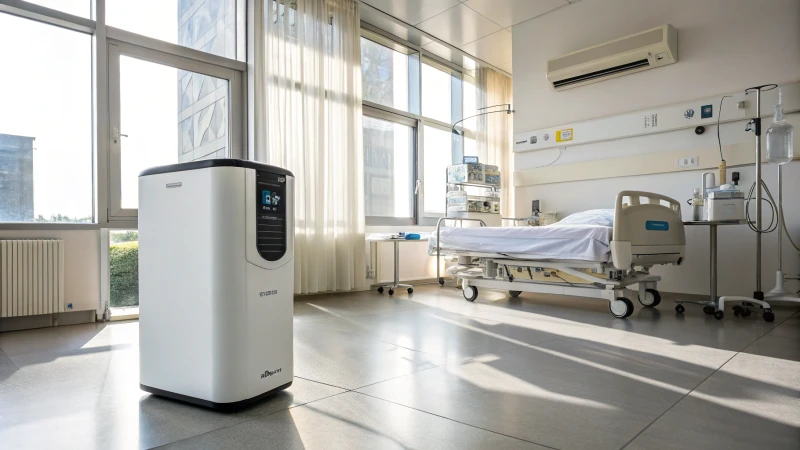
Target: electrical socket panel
{"x": 686, "y": 162}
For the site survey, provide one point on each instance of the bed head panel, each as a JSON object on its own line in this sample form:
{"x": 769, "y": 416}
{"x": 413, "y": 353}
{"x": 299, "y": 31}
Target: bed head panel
{"x": 648, "y": 219}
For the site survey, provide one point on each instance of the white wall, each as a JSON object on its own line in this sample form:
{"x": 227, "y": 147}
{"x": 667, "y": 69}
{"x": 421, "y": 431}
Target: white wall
{"x": 81, "y": 263}
{"x": 724, "y": 46}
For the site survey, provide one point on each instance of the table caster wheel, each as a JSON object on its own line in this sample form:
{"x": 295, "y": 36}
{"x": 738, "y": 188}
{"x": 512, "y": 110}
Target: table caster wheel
{"x": 410, "y": 290}
{"x": 769, "y": 316}
{"x": 471, "y": 293}
{"x": 380, "y": 290}
{"x": 391, "y": 291}
{"x": 719, "y": 315}
{"x": 441, "y": 281}
{"x": 709, "y": 310}
{"x": 679, "y": 309}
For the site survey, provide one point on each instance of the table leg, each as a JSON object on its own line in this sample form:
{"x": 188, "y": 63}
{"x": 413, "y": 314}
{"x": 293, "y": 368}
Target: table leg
{"x": 713, "y": 265}
{"x": 396, "y": 263}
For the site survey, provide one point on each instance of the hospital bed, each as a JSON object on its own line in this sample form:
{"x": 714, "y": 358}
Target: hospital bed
{"x": 599, "y": 253}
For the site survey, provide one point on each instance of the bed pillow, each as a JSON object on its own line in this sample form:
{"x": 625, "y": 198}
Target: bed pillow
{"x": 601, "y": 217}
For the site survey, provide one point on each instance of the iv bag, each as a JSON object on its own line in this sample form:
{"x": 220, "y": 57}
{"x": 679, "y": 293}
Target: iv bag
{"x": 779, "y": 137}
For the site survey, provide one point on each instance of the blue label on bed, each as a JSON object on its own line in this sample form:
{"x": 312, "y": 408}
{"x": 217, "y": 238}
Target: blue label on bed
{"x": 656, "y": 225}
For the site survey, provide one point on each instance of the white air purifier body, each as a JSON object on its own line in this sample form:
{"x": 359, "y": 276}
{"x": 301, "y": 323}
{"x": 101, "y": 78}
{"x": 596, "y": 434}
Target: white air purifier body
{"x": 216, "y": 281}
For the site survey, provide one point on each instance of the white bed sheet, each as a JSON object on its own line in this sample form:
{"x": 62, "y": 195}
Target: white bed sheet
{"x": 561, "y": 242}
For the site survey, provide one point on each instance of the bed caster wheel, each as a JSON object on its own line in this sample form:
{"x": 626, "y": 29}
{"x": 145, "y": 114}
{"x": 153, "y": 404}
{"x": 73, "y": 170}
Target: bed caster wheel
{"x": 380, "y": 290}
{"x": 391, "y": 291}
{"x": 650, "y": 298}
{"x": 410, "y": 290}
{"x": 621, "y": 307}
{"x": 746, "y": 312}
{"x": 679, "y": 309}
{"x": 769, "y": 316}
{"x": 441, "y": 281}
{"x": 719, "y": 315}
{"x": 738, "y": 311}
{"x": 470, "y": 293}
{"x": 709, "y": 310}
{"x": 514, "y": 293}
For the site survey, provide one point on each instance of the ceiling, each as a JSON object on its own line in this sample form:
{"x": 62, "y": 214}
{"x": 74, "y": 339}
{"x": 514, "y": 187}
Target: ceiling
{"x": 481, "y": 28}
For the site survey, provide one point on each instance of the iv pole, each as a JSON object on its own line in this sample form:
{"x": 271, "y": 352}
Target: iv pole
{"x": 758, "y": 295}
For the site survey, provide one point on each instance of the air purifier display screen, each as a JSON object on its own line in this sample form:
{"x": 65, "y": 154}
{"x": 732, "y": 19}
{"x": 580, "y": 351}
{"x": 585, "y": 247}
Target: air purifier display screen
{"x": 271, "y": 217}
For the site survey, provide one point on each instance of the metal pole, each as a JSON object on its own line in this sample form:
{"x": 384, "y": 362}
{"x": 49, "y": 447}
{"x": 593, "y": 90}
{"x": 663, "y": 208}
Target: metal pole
{"x": 759, "y": 293}
{"x": 713, "y": 271}
{"x": 396, "y": 263}
{"x": 780, "y": 218}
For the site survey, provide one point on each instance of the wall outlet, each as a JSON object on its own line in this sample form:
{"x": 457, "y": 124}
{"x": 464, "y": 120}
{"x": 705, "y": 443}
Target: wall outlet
{"x": 686, "y": 162}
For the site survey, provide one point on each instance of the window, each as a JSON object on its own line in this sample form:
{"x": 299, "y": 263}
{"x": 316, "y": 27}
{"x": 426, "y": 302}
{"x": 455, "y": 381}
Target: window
{"x": 410, "y": 103}
{"x": 470, "y": 109}
{"x": 161, "y": 114}
{"x": 385, "y": 75}
{"x": 205, "y": 25}
{"x": 438, "y": 155}
{"x": 124, "y": 268}
{"x": 388, "y": 168}
{"x": 470, "y": 103}
{"x": 436, "y": 94}
{"x": 46, "y": 149}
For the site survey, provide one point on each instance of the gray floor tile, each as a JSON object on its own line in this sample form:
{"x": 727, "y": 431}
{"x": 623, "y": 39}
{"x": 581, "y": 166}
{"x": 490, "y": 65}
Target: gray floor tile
{"x": 352, "y": 421}
{"x": 315, "y": 307}
{"x": 351, "y": 360}
{"x": 124, "y": 416}
{"x": 752, "y": 402}
{"x": 453, "y": 336}
{"x": 7, "y": 367}
{"x": 32, "y": 341}
{"x": 540, "y": 393}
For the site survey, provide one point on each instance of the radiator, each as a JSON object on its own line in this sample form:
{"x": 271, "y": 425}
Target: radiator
{"x": 31, "y": 277}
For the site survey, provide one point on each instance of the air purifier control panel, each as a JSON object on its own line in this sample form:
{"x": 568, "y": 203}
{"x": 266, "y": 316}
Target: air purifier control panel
{"x": 271, "y": 215}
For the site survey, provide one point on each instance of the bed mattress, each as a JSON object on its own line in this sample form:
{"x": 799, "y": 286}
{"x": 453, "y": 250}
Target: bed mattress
{"x": 553, "y": 242}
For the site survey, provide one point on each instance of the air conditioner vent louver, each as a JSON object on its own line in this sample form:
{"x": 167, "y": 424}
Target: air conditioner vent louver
{"x": 651, "y": 48}
{"x": 602, "y": 73}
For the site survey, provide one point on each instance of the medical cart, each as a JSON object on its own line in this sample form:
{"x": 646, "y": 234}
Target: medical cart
{"x": 391, "y": 287}
{"x": 711, "y": 306}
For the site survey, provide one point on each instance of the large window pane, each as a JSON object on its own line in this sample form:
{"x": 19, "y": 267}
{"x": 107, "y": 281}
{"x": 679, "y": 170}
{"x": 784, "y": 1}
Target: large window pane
{"x": 388, "y": 168}
{"x": 470, "y": 103}
{"x": 124, "y": 268}
{"x": 168, "y": 115}
{"x": 438, "y": 155}
{"x": 385, "y": 75}
{"x": 206, "y": 25}
{"x": 45, "y": 123}
{"x": 80, "y": 8}
{"x": 436, "y": 94}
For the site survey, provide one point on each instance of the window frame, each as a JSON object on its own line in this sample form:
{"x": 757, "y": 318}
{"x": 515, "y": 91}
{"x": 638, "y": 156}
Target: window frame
{"x": 116, "y": 49}
{"x": 106, "y": 213}
{"x": 380, "y": 114}
{"x": 417, "y": 56}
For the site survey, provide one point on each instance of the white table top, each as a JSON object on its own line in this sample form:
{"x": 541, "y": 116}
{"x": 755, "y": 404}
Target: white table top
{"x": 390, "y": 239}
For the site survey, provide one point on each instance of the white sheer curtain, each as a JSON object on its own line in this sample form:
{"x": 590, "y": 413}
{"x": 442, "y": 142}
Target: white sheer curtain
{"x": 493, "y": 132}
{"x": 311, "y": 122}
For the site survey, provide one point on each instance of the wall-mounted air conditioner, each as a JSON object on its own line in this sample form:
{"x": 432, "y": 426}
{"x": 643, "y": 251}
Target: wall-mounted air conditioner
{"x": 652, "y": 48}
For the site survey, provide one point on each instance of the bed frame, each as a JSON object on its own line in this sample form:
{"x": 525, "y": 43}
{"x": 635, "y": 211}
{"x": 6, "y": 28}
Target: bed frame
{"x": 648, "y": 230}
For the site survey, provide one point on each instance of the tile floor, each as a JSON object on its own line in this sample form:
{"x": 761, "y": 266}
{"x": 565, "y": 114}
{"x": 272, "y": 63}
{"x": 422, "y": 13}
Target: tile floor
{"x": 434, "y": 371}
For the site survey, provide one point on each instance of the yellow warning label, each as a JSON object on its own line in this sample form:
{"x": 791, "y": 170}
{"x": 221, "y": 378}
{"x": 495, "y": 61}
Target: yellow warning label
{"x": 564, "y": 135}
